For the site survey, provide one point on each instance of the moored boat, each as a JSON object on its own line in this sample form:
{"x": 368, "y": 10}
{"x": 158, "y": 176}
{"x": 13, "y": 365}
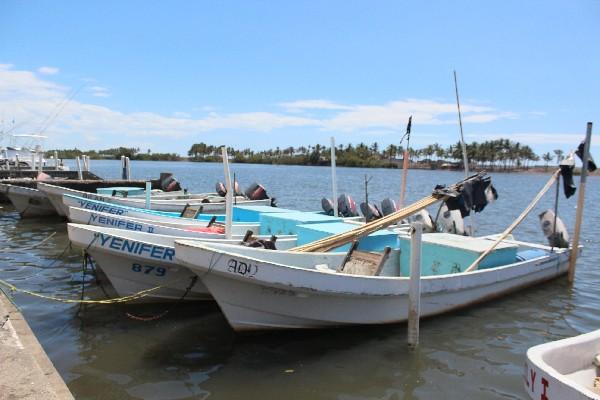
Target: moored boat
{"x": 265, "y": 289}
{"x": 208, "y": 202}
{"x": 28, "y": 202}
{"x": 564, "y": 369}
{"x": 134, "y": 261}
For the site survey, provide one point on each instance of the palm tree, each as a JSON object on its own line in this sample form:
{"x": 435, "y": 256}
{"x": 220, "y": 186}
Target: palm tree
{"x": 547, "y": 158}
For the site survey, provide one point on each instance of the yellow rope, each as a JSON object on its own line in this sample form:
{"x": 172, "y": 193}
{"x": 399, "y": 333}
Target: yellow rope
{"x": 124, "y": 299}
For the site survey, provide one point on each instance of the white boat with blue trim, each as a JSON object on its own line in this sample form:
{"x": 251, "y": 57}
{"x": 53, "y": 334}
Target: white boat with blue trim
{"x": 134, "y": 261}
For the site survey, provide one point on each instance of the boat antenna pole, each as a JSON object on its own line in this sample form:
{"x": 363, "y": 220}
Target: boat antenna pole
{"x": 333, "y": 179}
{"x": 463, "y": 145}
{"x": 405, "y": 161}
{"x": 580, "y": 203}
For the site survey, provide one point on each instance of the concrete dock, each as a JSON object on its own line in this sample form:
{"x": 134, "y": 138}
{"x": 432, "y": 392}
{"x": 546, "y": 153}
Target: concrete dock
{"x": 26, "y": 372}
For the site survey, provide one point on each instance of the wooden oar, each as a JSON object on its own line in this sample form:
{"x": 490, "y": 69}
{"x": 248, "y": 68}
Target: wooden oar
{"x": 516, "y": 222}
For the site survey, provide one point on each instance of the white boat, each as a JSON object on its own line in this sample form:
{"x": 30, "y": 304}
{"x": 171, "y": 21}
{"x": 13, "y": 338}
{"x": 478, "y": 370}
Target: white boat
{"x": 179, "y": 227}
{"x": 164, "y": 218}
{"x": 134, "y": 261}
{"x": 266, "y": 289}
{"x": 210, "y": 204}
{"x": 28, "y": 202}
{"x": 564, "y": 369}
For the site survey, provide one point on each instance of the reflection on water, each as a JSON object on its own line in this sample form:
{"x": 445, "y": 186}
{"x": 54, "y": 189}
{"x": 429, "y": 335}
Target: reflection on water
{"x": 477, "y": 353}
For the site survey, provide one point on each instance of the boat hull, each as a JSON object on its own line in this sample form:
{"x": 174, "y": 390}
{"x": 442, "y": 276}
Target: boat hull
{"x": 263, "y": 295}
{"x": 563, "y": 369}
{"x": 30, "y": 202}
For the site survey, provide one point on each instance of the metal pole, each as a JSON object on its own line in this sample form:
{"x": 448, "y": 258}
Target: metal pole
{"x": 79, "y": 172}
{"x": 333, "y": 179}
{"x": 40, "y": 161}
{"x": 414, "y": 289}
{"x": 580, "y": 203}
{"x": 228, "y": 196}
{"x": 148, "y": 193}
{"x": 462, "y": 138}
{"x": 55, "y": 159}
{"x": 405, "y": 162}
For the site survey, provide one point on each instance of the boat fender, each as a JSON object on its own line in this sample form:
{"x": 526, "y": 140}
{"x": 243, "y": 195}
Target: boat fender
{"x": 370, "y": 211}
{"x": 221, "y": 189}
{"x": 347, "y": 206}
{"x": 388, "y": 206}
{"x": 558, "y": 237}
{"x": 424, "y": 217}
{"x": 327, "y": 206}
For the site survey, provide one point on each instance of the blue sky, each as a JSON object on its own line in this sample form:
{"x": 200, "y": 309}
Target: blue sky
{"x": 164, "y": 75}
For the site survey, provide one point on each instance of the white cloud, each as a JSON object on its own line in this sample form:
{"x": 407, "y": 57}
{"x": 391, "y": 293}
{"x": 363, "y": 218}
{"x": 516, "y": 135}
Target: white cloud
{"x": 48, "y": 70}
{"x": 534, "y": 138}
{"x": 99, "y": 91}
{"x": 27, "y": 97}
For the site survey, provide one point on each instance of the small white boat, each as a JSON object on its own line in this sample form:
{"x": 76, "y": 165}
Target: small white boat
{"x": 180, "y": 227}
{"x": 564, "y": 369}
{"x": 28, "y": 202}
{"x": 210, "y": 204}
{"x": 134, "y": 261}
{"x": 275, "y": 289}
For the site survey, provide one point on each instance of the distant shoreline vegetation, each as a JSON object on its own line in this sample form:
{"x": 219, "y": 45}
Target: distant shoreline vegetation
{"x": 501, "y": 154}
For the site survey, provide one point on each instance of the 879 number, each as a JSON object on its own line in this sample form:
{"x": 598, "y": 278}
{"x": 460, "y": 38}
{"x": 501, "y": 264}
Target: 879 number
{"x": 148, "y": 269}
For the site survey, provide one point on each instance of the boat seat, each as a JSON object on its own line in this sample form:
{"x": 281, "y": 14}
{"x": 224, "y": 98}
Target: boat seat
{"x": 190, "y": 211}
{"x": 363, "y": 263}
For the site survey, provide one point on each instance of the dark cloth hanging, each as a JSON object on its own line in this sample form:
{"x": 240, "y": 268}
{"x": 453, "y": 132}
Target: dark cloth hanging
{"x": 472, "y": 196}
{"x": 566, "y": 170}
{"x": 591, "y": 163}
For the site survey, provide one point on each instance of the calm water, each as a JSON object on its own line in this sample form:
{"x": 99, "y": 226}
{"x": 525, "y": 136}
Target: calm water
{"x": 477, "y": 353}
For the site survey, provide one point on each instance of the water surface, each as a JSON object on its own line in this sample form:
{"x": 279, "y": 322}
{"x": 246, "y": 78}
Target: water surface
{"x": 476, "y": 353}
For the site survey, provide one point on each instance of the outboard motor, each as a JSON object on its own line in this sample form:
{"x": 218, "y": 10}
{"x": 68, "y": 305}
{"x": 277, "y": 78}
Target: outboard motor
{"x": 256, "y": 192}
{"x": 347, "y": 206}
{"x": 370, "y": 211}
{"x": 168, "y": 183}
{"x": 450, "y": 221}
{"x": 221, "y": 189}
{"x": 424, "y": 217}
{"x": 236, "y": 189}
{"x": 327, "y": 206}
{"x": 557, "y": 235}
{"x": 388, "y": 206}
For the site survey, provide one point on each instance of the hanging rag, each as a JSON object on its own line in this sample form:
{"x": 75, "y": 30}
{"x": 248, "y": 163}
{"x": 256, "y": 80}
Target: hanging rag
{"x": 566, "y": 170}
{"x": 591, "y": 163}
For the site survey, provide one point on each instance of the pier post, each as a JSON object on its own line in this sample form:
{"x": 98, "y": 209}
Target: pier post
{"x": 79, "y": 172}
{"x": 580, "y": 203}
{"x": 55, "y": 159}
{"x": 228, "y": 196}
{"x": 148, "y": 192}
{"x": 414, "y": 289}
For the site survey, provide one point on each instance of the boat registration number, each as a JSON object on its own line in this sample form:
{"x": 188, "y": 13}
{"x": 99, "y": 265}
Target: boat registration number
{"x": 149, "y": 269}
{"x": 239, "y": 267}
